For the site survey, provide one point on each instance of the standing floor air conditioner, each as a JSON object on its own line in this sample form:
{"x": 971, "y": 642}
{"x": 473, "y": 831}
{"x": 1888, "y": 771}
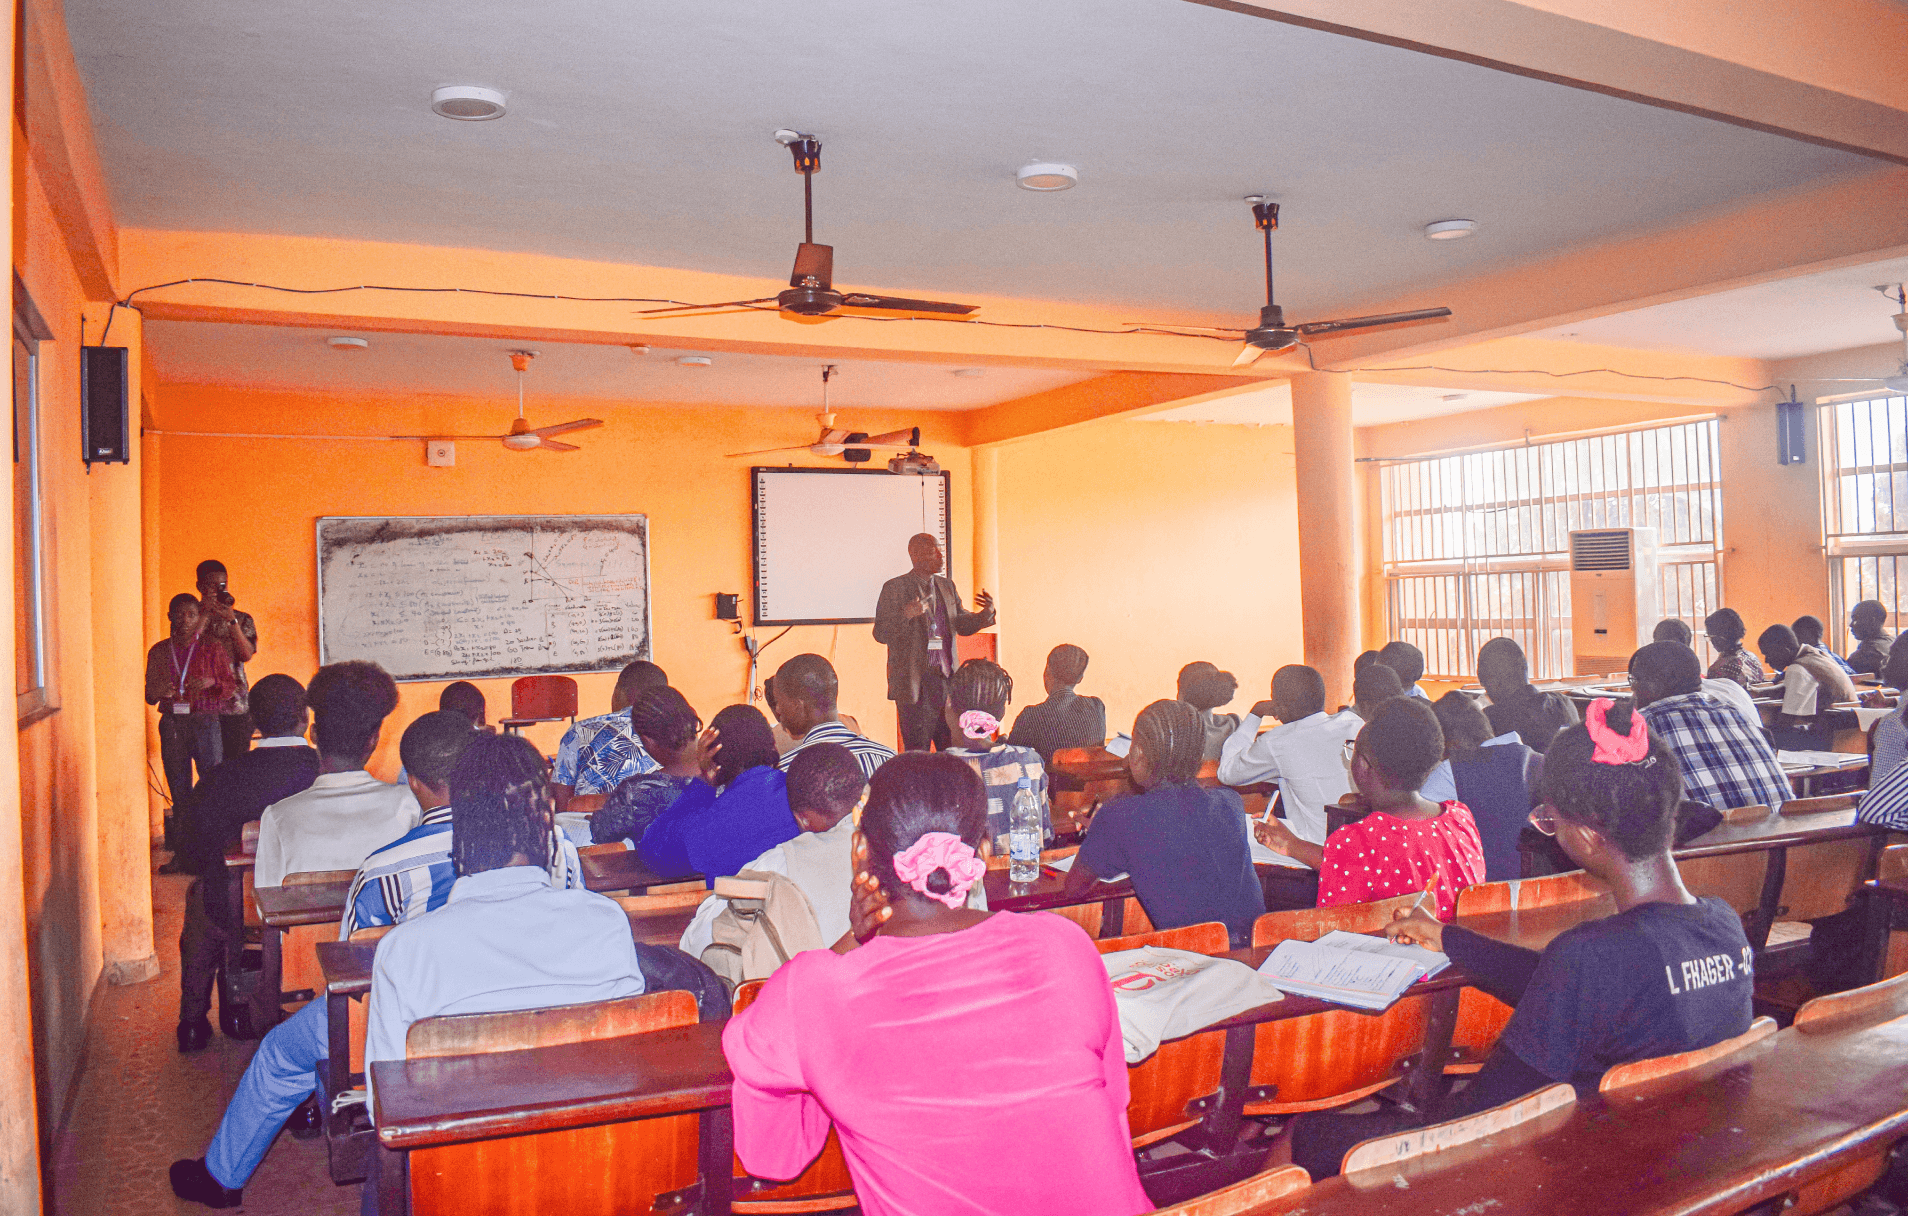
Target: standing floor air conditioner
{"x": 1615, "y": 597}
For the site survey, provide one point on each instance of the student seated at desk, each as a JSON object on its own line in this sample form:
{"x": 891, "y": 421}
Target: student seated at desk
{"x": 1891, "y": 731}
{"x": 1669, "y": 629}
{"x": 825, "y": 783}
{"x": 1371, "y": 688}
{"x": 346, "y": 812}
{"x": 1305, "y": 753}
{"x": 598, "y": 754}
{"x": 1408, "y": 661}
{"x": 1808, "y": 631}
{"x": 1516, "y": 705}
{"x": 977, "y": 699}
{"x": 1867, "y": 622}
{"x": 1667, "y": 973}
{"x": 1492, "y": 776}
{"x": 1811, "y": 685}
{"x": 735, "y": 809}
{"x": 1184, "y": 844}
{"x": 1205, "y": 688}
{"x": 504, "y": 938}
{"x": 1725, "y": 631}
{"x": 971, "y": 1062}
{"x": 806, "y": 689}
{"x": 1403, "y": 842}
{"x": 666, "y": 727}
{"x": 465, "y": 698}
{"x": 1065, "y": 718}
{"x": 1724, "y": 759}
{"x": 213, "y": 819}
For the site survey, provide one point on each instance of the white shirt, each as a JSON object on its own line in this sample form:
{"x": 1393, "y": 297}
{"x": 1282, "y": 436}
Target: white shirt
{"x": 1799, "y": 687}
{"x": 334, "y": 825}
{"x": 505, "y": 940}
{"x": 281, "y": 741}
{"x": 1306, "y": 758}
{"x": 1736, "y": 697}
{"x": 817, "y": 862}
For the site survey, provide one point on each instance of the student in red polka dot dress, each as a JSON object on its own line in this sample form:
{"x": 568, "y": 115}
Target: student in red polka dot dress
{"x": 1404, "y": 842}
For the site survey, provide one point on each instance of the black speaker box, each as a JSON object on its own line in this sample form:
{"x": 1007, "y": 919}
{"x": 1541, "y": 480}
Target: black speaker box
{"x": 105, "y": 389}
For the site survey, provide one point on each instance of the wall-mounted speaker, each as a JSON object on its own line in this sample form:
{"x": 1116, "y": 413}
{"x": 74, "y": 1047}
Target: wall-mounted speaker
{"x": 105, "y": 398}
{"x": 1792, "y": 432}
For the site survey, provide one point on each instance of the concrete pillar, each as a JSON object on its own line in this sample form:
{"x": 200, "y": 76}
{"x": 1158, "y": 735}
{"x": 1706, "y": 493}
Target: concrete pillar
{"x": 1327, "y": 526}
{"x": 986, "y": 520}
{"x": 119, "y": 710}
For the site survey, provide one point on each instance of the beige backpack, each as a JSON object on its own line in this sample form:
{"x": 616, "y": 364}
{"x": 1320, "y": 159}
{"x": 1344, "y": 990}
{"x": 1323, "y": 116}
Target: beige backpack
{"x": 768, "y": 921}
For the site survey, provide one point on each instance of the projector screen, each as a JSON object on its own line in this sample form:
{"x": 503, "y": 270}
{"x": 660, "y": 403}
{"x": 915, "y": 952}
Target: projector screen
{"x": 826, "y": 539}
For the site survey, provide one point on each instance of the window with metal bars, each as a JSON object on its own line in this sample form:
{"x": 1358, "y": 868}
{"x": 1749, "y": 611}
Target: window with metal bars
{"x": 1476, "y": 544}
{"x": 1864, "y": 446}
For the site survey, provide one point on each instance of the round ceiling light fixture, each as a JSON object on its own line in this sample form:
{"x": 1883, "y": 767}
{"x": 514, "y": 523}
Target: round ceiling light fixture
{"x": 343, "y": 343}
{"x": 468, "y": 103}
{"x": 1047, "y": 178}
{"x": 1449, "y": 230}
{"x": 695, "y": 360}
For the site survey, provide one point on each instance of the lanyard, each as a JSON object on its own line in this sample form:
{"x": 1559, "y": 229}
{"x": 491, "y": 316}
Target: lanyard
{"x": 179, "y": 671}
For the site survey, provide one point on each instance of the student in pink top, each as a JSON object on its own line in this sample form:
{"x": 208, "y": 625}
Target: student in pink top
{"x": 1404, "y": 842}
{"x": 971, "y": 1061}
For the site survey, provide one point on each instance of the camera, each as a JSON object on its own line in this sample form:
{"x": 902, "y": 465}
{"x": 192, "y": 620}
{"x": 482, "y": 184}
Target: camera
{"x": 225, "y": 597}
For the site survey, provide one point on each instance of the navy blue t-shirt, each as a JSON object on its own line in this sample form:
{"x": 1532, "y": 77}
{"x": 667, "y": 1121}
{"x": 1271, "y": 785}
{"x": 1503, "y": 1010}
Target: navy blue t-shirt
{"x": 1185, "y": 846}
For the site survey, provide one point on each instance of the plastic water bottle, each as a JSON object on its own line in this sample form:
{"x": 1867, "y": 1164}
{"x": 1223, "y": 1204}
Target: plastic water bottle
{"x": 1025, "y": 834}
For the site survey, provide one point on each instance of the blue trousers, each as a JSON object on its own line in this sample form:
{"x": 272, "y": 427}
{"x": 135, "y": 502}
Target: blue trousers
{"x": 283, "y": 1072}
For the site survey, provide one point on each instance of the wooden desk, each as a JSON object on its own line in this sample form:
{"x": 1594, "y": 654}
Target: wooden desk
{"x": 282, "y": 908}
{"x": 624, "y": 871}
{"x": 1049, "y": 891}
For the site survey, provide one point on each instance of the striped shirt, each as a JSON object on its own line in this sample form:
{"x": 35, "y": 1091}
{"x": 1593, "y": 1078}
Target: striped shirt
{"x": 1726, "y": 762}
{"x": 868, "y": 754}
{"x": 1891, "y": 744}
{"x": 413, "y": 875}
{"x": 598, "y": 754}
{"x": 1738, "y": 665}
{"x": 1000, "y": 771}
{"x": 1886, "y": 802}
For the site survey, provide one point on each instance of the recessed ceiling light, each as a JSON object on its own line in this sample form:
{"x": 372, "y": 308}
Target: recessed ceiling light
{"x": 1454, "y": 396}
{"x": 343, "y": 343}
{"x": 1047, "y": 177}
{"x": 639, "y": 350}
{"x": 970, "y": 371}
{"x": 1449, "y": 230}
{"x": 467, "y": 102}
{"x": 695, "y": 360}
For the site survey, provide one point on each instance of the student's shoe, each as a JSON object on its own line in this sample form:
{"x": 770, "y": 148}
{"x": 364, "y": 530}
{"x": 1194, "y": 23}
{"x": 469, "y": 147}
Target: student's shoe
{"x": 306, "y": 1123}
{"x": 194, "y": 1035}
{"x": 191, "y": 1180}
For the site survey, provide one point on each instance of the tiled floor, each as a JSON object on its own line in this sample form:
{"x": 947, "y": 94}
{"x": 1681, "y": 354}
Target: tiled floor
{"x": 141, "y": 1105}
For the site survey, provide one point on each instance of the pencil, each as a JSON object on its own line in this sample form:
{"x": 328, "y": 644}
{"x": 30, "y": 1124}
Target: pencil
{"x": 1428, "y": 888}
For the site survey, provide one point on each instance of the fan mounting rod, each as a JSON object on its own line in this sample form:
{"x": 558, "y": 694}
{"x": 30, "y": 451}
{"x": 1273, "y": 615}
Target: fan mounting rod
{"x": 1266, "y": 216}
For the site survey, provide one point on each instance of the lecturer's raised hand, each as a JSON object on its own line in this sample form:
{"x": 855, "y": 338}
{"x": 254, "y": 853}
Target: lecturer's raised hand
{"x": 983, "y": 602}
{"x": 914, "y": 610}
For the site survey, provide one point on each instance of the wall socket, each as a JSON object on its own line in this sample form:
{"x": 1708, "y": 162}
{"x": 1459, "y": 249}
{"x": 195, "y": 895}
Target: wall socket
{"x": 440, "y": 453}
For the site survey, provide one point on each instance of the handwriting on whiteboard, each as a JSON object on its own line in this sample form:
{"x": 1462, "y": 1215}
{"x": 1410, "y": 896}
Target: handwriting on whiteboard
{"x": 434, "y": 598}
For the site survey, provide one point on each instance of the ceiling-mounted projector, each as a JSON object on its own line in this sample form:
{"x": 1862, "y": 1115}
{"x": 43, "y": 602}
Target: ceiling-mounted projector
{"x": 919, "y": 463}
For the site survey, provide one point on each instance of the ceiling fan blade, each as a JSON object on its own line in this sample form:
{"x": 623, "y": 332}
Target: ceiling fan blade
{"x": 555, "y": 445}
{"x": 580, "y": 424}
{"x": 1248, "y": 354}
{"x": 648, "y": 312}
{"x": 907, "y": 437}
{"x": 802, "y": 447}
{"x": 813, "y": 262}
{"x": 860, "y": 299}
{"x": 834, "y": 436}
{"x": 1384, "y": 318}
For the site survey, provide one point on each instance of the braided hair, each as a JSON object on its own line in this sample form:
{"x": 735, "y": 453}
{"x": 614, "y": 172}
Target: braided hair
{"x": 980, "y": 684}
{"x": 1633, "y": 805}
{"x": 663, "y": 716}
{"x": 747, "y": 742}
{"x": 914, "y": 794}
{"x": 1173, "y": 739}
{"x": 500, "y": 805}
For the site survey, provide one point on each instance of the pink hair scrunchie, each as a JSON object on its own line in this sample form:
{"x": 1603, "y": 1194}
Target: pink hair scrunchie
{"x": 979, "y": 724}
{"x": 940, "y": 851}
{"x": 1612, "y": 748}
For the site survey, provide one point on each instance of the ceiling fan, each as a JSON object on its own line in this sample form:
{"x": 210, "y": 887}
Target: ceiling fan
{"x": 522, "y": 437}
{"x": 853, "y": 446}
{"x": 1273, "y": 334}
{"x": 811, "y": 287}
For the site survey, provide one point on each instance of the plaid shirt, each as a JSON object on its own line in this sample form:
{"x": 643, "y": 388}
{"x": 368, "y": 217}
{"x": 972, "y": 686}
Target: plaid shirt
{"x": 1738, "y": 665}
{"x": 1726, "y": 762}
{"x": 413, "y": 875}
{"x": 1000, "y": 771}
{"x": 1886, "y": 802}
{"x": 598, "y": 754}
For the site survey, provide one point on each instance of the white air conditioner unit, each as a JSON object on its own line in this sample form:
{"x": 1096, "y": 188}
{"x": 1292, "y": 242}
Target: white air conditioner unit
{"x": 1615, "y": 597}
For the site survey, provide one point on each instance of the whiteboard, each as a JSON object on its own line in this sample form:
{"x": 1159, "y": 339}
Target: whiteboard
{"x": 471, "y": 596}
{"x": 826, "y": 539}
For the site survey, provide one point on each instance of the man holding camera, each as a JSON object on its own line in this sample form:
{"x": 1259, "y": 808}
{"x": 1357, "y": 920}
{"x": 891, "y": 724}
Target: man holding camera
{"x": 235, "y": 631}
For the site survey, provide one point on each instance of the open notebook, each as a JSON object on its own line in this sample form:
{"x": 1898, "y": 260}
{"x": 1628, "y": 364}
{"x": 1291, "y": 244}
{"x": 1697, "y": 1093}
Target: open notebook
{"x": 1350, "y": 968}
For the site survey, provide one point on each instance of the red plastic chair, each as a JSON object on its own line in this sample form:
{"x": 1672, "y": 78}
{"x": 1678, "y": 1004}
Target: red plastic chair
{"x": 541, "y": 699}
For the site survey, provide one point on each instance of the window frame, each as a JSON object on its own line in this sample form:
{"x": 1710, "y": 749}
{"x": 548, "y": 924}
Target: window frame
{"x": 40, "y": 699}
{"x": 1847, "y": 546}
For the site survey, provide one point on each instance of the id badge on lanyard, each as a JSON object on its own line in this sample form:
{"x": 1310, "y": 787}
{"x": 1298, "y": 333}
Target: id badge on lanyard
{"x": 183, "y": 705}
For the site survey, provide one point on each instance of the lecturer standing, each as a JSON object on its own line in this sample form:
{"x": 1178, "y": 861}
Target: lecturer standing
{"x": 917, "y": 619}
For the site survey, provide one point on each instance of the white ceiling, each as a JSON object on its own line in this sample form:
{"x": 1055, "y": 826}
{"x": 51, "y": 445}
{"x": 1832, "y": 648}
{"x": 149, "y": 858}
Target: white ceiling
{"x": 1372, "y": 405}
{"x": 639, "y": 132}
{"x": 266, "y": 357}
{"x": 1806, "y": 315}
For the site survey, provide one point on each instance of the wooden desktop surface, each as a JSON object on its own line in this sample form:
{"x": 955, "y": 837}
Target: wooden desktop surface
{"x": 622, "y": 871}
{"x": 1046, "y": 891}
{"x": 1777, "y": 831}
{"x": 311, "y": 904}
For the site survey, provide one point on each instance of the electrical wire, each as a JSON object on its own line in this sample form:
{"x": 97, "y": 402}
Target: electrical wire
{"x": 1529, "y": 371}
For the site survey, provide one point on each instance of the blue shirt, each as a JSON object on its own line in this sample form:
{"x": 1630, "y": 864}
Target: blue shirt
{"x": 414, "y": 874}
{"x": 716, "y": 832}
{"x": 1185, "y": 847}
{"x": 598, "y": 754}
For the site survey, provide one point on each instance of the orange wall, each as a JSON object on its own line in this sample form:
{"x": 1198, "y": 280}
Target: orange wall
{"x": 1151, "y": 544}
{"x": 253, "y": 503}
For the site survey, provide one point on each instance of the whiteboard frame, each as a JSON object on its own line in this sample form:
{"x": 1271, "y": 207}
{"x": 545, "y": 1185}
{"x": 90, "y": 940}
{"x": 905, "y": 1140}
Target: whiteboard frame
{"x": 755, "y": 535}
{"x": 318, "y": 589}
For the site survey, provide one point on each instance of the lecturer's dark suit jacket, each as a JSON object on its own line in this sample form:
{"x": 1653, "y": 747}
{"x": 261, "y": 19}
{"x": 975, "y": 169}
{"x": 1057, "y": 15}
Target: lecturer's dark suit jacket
{"x": 907, "y": 640}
